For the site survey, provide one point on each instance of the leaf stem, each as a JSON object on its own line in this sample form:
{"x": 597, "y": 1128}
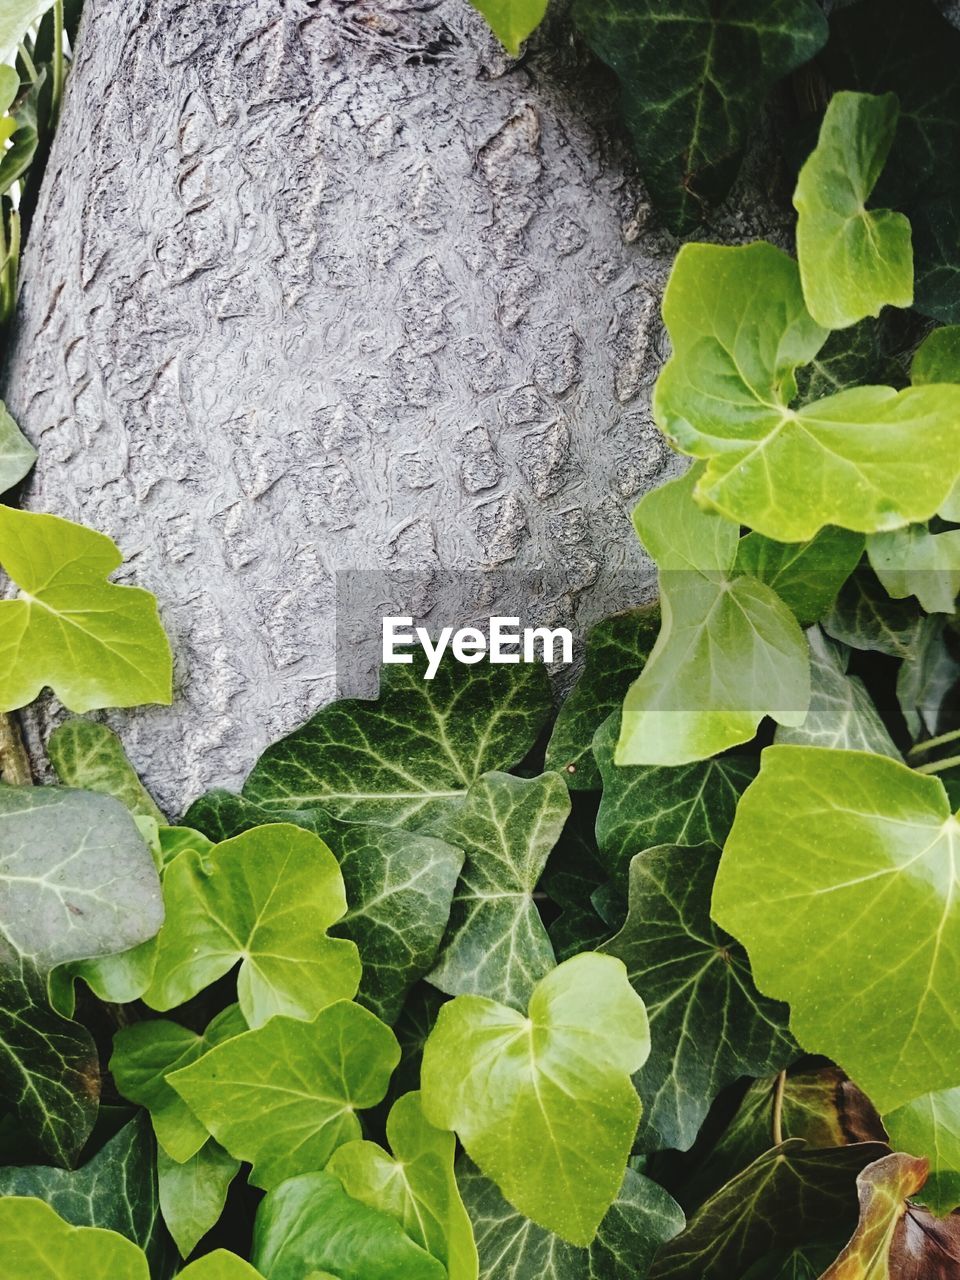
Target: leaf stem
{"x": 920, "y": 748}
{"x": 778, "y": 1108}
{"x": 29, "y": 63}
{"x": 938, "y": 766}
{"x": 14, "y": 761}
{"x": 57, "y": 89}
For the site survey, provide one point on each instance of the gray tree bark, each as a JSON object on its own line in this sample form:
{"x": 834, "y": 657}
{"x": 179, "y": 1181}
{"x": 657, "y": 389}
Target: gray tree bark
{"x": 327, "y": 285}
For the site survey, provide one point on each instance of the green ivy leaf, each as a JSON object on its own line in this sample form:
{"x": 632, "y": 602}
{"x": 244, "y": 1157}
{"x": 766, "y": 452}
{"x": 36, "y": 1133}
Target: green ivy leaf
{"x": 726, "y": 395}
{"x": 416, "y": 1185}
{"x": 220, "y": 1265}
{"x": 929, "y": 1126}
{"x": 842, "y": 713}
{"x": 693, "y": 79}
{"x": 729, "y": 651}
{"x": 805, "y": 575}
{"x": 849, "y": 857}
{"x": 145, "y": 1053}
{"x": 642, "y": 1217}
{"x": 927, "y": 677}
{"x": 266, "y": 899}
{"x": 544, "y": 1103}
{"x": 573, "y": 875}
{"x": 115, "y": 1190}
{"x": 15, "y": 20}
{"x": 39, "y": 1245}
{"x": 936, "y": 232}
{"x": 788, "y": 1196}
{"x": 95, "y": 644}
{"x": 937, "y": 359}
{"x": 192, "y": 1194}
{"x": 645, "y": 806}
{"x": 708, "y": 1023}
{"x": 512, "y": 20}
{"x": 311, "y": 1222}
{"x": 23, "y": 130}
{"x": 91, "y": 756}
{"x": 853, "y": 261}
{"x": 409, "y": 757}
{"x": 871, "y": 351}
{"x": 915, "y": 562}
{"x": 496, "y": 944}
{"x": 864, "y": 617}
{"x": 284, "y": 1096}
{"x": 17, "y": 454}
{"x": 616, "y": 650}
{"x": 399, "y": 890}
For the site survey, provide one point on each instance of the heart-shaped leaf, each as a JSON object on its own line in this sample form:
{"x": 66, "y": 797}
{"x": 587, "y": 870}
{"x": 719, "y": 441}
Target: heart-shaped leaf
{"x": 853, "y": 261}
{"x": 729, "y": 651}
{"x": 266, "y": 899}
{"x": 192, "y": 1194}
{"x": 868, "y": 459}
{"x": 416, "y": 1185}
{"x": 851, "y": 858}
{"x": 94, "y": 643}
{"x": 285, "y": 1096}
{"x": 544, "y": 1103}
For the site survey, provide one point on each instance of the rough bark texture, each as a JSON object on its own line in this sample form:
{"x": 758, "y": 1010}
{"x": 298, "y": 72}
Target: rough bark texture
{"x": 316, "y": 286}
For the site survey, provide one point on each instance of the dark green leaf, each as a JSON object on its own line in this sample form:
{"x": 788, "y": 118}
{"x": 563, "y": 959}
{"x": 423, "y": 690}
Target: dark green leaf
{"x": 864, "y": 617}
{"x": 805, "y": 575}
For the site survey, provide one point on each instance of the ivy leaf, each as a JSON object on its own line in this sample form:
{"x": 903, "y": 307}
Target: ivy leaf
{"x": 642, "y": 1217}
{"x": 409, "y": 757}
{"x": 693, "y": 79}
{"x": 95, "y": 644}
{"x": 192, "y": 1194}
{"x": 496, "y": 944}
{"x": 573, "y": 875}
{"x": 790, "y": 1195}
{"x": 927, "y": 676}
{"x": 937, "y": 359}
{"x": 867, "y": 459}
{"x": 91, "y": 757}
{"x": 893, "y": 1238}
{"x": 15, "y": 20}
{"x": 21, "y": 126}
{"x": 936, "y": 232}
{"x": 841, "y": 711}
{"x": 220, "y": 1265}
{"x": 39, "y": 1245}
{"x": 645, "y": 806}
{"x": 837, "y": 854}
{"x": 416, "y": 1185}
{"x": 145, "y": 1053}
{"x": 805, "y": 575}
{"x": 915, "y": 562}
{"x": 853, "y": 261}
{"x": 310, "y": 1222}
{"x": 729, "y": 651}
{"x": 616, "y": 650}
{"x": 544, "y": 1103}
{"x": 17, "y": 454}
{"x": 266, "y": 899}
{"x": 399, "y": 890}
{"x": 284, "y": 1096}
{"x": 512, "y": 20}
{"x": 929, "y": 1126}
{"x": 807, "y": 1262}
{"x": 864, "y": 617}
{"x": 708, "y": 1023}
{"x": 115, "y": 1190}
{"x": 868, "y": 352}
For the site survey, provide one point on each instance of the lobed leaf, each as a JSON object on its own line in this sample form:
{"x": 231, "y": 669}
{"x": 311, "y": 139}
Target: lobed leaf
{"x": 929, "y": 1126}
{"x": 17, "y": 454}
{"x": 916, "y": 562}
{"x": 512, "y": 20}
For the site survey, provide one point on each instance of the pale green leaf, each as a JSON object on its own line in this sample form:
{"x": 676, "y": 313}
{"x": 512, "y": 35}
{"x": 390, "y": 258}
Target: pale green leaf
{"x": 805, "y": 575}
{"x": 853, "y": 260}
{"x": 408, "y": 757}
{"x": 840, "y": 878}
{"x": 266, "y": 899}
{"x": 91, "y": 756}
{"x": 399, "y": 890}
{"x": 94, "y": 643}
{"x": 644, "y": 806}
{"x": 642, "y": 1217}
{"x": 544, "y": 1104}
{"x": 915, "y": 562}
{"x": 16, "y": 18}
{"x": 17, "y": 454}
{"x": 729, "y": 650}
{"x": 867, "y": 459}
{"x": 39, "y": 1245}
{"x": 145, "y": 1053}
{"x": 842, "y": 713}
{"x": 192, "y": 1194}
{"x": 512, "y": 20}
{"x": 416, "y": 1185}
{"x": 708, "y": 1023}
{"x": 220, "y": 1265}
{"x": 285, "y": 1096}
{"x": 937, "y": 359}
{"x": 310, "y": 1222}
{"x": 930, "y": 1126}
{"x": 928, "y": 675}
{"x": 496, "y": 944}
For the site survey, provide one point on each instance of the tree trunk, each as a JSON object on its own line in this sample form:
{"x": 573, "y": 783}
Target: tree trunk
{"x": 317, "y": 286}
